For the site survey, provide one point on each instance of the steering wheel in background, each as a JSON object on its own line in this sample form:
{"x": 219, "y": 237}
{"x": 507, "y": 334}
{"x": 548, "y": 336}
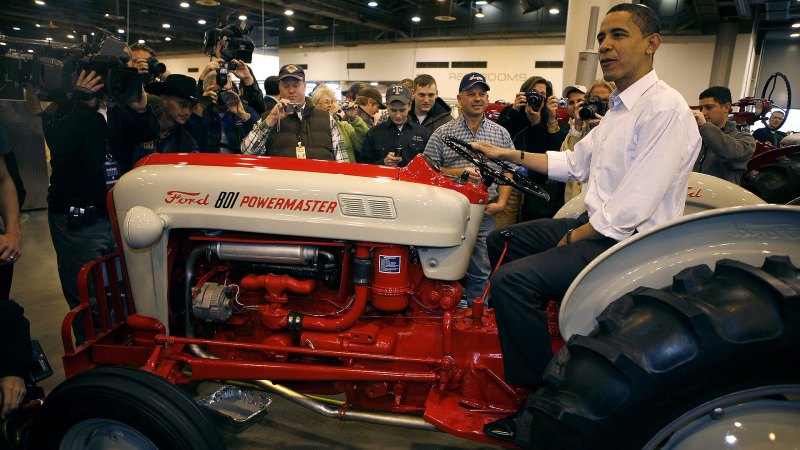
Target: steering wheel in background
{"x": 770, "y": 86}
{"x": 475, "y": 157}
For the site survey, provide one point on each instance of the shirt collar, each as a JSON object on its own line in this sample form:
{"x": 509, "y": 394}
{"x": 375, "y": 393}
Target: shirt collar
{"x": 630, "y": 96}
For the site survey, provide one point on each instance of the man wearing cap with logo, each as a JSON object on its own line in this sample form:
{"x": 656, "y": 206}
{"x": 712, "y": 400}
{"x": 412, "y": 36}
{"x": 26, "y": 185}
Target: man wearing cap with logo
{"x": 369, "y": 103}
{"x": 471, "y": 125}
{"x": 295, "y": 128}
{"x": 398, "y": 140}
{"x": 173, "y": 101}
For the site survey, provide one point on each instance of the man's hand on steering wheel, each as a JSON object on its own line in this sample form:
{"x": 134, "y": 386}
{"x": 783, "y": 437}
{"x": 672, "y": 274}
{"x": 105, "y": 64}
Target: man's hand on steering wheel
{"x": 492, "y": 151}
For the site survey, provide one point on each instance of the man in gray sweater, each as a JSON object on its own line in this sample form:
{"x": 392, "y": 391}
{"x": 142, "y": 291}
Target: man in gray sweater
{"x": 725, "y": 149}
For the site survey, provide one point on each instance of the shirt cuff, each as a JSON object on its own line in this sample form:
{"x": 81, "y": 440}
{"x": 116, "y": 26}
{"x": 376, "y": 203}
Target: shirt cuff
{"x": 575, "y": 133}
{"x": 557, "y": 165}
{"x": 602, "y": 225}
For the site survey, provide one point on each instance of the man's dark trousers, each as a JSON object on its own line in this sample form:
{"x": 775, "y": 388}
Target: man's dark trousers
{"x": 534, "y": 271}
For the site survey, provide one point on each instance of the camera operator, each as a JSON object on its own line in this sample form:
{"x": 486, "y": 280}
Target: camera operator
{"x": 295, "y": 128}
{"x": 89, "y": 137}
{"x": 220, "y": 125}
{"x": 143, "y": 59}
{"x": 725, "y": 149}
{"x": 173, "y": 102}
{"x": 398, "y": 140}
{"x": 515, "y": 117}
{"x": 579, "y": 127}
{"x": 352, "y": 128}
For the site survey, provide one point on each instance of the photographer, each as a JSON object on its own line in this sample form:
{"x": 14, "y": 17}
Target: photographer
{"x": 89, "y": 138}
{"x": 515, "y": 117}
{"x": 295, "y": 128}
{"x": 143, "y": 59}
{"x": 351, "y": 127}
{"x": 725, "y": 149}
{"x": 221, "y": 126}
{"x": 600, "y": 90}
{"x": 398, "y": 140}
{"x": 250, "y": 92}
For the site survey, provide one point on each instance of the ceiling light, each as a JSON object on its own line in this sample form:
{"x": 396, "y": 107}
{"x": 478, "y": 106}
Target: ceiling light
{"x": 39, "y": 2}
{"x": 290, "y": 28}
{"x": 289, "y": 12}
{"x": 16, "y": 28}
{"x": 242, "y": 17}
{"x": 413, "y": 19}
{"x": 481, "y": 2}
{"x": 554, "y": 11}
{"x": 794, "y": 25}
{"x": 794, "y": 35}
{"x": 70, "y": 36}
{"x": 372, "y": 4}
{"x": 3, "y": 43}
{"x": 48, "y": 39}
{"x": 201, "y": 21}
{"x": 30, "y": 50}
{"x": 374, "y": 83}
{"x": 184, "y": 5}
{"x": 121, "y": 31}
{"x": 167, "y": 38}
{"x": 141, "y": 41}
{"x": 318, "y": 26}
{"x": 480, "y": 13}
{"x": 92, "y": 33}
{"x": 38, "y": 26}
{"x": 165, "y": 25}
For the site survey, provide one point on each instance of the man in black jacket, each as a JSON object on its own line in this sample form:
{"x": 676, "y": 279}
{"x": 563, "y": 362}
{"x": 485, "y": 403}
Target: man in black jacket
{"x": 15, "y": 355}
{"x": 90, "y": 140}
{"x": 172, "y": 101}
{"x": 398, "y": 140}
{"x": 428, "y": 109}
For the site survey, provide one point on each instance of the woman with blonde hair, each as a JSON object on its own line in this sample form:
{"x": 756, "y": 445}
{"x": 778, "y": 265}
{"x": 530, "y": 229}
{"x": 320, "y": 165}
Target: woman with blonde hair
{"x": 351, "y": 127}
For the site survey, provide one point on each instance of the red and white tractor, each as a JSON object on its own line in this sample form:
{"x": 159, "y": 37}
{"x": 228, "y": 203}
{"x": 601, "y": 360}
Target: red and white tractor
{"x": 310, "y": 278}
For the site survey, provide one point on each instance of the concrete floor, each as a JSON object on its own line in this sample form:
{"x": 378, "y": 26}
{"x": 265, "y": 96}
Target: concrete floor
{"x": 287, "y": 426}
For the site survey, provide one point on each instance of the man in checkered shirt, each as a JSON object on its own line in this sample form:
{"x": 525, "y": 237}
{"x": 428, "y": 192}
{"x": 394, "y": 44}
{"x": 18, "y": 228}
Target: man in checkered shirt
{"x": 471, "y": 125}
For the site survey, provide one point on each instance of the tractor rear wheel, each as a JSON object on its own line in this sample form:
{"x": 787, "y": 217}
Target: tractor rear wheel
{"x": 680, "y": 367}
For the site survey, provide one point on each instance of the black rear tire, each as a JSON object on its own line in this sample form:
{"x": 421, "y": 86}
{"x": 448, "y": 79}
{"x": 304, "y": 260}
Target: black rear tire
{"x": 141, "y": 403}
{"x": 657, "y": 354}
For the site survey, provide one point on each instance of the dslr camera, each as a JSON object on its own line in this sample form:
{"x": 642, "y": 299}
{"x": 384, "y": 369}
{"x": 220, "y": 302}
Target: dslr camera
{"x": 594, "y": 105}
{"x": 155, "y": 68}
{"x": 535, "y": 99}
{"x": 225, "y": 68}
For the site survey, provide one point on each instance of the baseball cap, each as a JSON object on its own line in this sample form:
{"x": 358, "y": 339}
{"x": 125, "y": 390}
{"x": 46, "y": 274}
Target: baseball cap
{"x": 398, "y": 93}
{"x": 356, "y": 88}
{"x": 471, "y": 79}
{"x": 292, "y": 71}
{"x": 576, "y": 87}
{"x": 371, "y": 92}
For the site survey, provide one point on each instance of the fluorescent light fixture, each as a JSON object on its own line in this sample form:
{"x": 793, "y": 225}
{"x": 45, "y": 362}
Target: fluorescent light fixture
{"x": 372, "y": 4}
{"x": 796, "y": 25}
{"x": 374, "y": 83}
{"x": 554, "y": 11}
{"x": 141, "y": 41}
{"x": 167, "y": 38}
{"x": 38, "y": 26}
{"x": 481, "y": 2}
{"x": 30, "y": 50}
{"x": 290, "y": 28}
{"x": 201, "y": 21}
{"x": 242, "y": 17}
{"x": 16, "y": 28}
{"x": 39, "y": 2}
{"x": 3, "y": 43}
{"x": 184, "y": 4}
{"x": 165, "y": 25}
{"x": 70, "y": 36}
{"x": 794, "y": 35}
{"x": 289, "y": 12}
{"x": 413, "y": 19}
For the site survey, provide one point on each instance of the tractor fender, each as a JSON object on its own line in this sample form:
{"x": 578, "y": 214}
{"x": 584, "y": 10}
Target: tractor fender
{"x": 745, "y": 233}
{"x": 705, "y": 192}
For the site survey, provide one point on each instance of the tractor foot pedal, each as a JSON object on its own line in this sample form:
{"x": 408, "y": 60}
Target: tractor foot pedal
{"x": 235, "y": 406}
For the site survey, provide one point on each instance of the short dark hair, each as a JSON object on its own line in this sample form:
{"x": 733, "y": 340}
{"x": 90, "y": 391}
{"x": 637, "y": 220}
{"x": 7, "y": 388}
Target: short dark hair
{"x": 720, "y": 94}
{"x": 271, "y": 85}
{"x": 138, "y": 46}
{"x": 644, "y": 18}
{"x": 528, "y": 85}
{"x": 423, "y": 80}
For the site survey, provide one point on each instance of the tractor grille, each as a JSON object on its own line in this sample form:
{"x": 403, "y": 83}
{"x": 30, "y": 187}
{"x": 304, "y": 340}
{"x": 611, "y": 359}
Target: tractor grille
{"x": 367, "y": 206}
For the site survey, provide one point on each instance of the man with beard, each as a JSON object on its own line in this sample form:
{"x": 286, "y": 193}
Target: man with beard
{"x": 173, "y": 101}
{"x": 471, "y": 125}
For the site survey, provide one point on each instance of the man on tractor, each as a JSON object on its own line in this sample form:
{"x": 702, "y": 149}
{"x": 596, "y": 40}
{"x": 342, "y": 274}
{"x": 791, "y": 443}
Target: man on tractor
{"x": 636, "y": 165}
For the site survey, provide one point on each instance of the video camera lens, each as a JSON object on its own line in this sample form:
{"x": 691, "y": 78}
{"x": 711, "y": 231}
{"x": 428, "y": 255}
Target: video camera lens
{"x": 593, "y": 106}
{"x": 535, "y": 100}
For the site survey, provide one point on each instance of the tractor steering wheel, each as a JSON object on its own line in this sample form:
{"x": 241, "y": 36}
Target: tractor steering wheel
{"x": 769, "y": 85}
{"x": 487, "y": 171}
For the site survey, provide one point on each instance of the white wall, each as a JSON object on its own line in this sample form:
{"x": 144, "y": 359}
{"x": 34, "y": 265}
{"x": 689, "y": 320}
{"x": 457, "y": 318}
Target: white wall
{"x": 682, "y": 61}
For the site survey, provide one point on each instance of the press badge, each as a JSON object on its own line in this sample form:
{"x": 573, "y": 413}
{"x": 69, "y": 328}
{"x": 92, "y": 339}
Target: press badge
{"x": 110, "y": 171}
{"x": 300, "y": 151}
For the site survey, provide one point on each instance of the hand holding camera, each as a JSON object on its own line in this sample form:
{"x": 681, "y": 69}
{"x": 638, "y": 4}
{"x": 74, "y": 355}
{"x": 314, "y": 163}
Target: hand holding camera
{"x": 590, "y": 111}
{"x": 520, "y": 101}
{"x": 87, "y": 86}
{"x": 241, "y": 71}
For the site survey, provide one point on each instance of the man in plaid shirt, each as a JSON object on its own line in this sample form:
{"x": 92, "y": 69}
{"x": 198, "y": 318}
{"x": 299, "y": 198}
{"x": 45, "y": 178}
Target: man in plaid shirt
{"x": 294, "y": 128}
{"x": 471, "y": 125}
